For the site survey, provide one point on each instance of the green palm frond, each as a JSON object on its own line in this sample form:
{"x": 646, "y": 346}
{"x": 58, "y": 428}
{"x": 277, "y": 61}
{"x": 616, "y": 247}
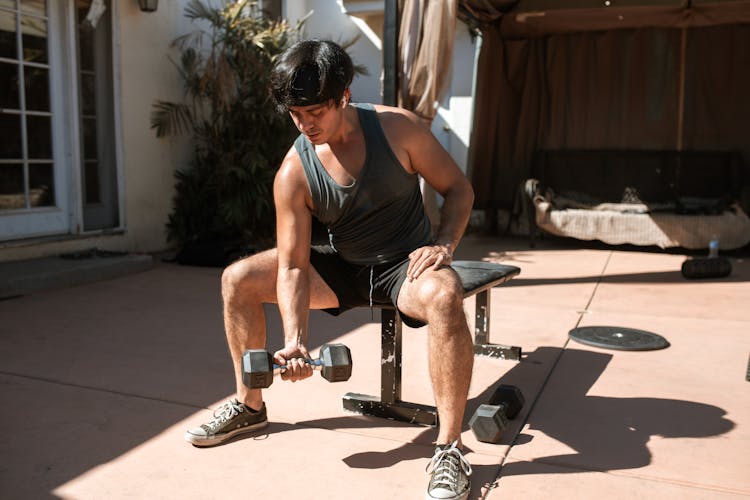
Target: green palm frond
{"x": 196, "y": 10}
{"x": 169, "y": 118}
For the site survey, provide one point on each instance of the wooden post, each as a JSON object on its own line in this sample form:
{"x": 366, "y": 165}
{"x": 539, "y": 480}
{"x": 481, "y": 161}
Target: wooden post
{"x": 390, "y": 53}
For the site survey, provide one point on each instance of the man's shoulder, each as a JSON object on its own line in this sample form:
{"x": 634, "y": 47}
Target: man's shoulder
{"x": 290, "y": 183}
{"x": 400, "y": 121}
{"x": 392, "y": 111}
{"x": 292, "y": 156}
{"x": 291, "y": 165}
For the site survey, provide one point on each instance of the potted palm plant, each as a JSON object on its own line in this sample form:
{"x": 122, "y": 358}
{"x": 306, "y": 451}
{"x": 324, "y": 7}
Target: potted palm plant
{"x": 222, "y": 206}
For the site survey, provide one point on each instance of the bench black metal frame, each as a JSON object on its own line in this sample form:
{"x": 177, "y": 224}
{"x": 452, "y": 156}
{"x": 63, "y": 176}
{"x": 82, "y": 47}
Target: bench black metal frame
{"x": 478, "y": 278}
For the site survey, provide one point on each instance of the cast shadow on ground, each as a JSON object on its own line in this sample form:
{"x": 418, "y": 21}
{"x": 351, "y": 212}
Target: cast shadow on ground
{"x": 611, "y": 432}
{"x": 659, "y": 277}
{"x": 739, "y": 272}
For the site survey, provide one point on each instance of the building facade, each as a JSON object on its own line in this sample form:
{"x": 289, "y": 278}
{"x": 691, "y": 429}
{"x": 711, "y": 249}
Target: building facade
{"x": 80, "y": 167}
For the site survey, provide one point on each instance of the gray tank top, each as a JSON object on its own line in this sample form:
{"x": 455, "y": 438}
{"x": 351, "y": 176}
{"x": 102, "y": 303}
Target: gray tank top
{"x": 380, "y": 217}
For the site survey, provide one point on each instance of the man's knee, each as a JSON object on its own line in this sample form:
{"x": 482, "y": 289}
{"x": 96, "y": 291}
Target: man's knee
{"x": 231, "y": 278}
{"x": 231, "y": 282}
{"x": 442, "y": 294}
{"x": 250, "y": 278}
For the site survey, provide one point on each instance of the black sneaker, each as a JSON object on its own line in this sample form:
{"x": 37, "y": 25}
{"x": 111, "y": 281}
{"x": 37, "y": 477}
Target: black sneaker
{"x": 450, "y": 474}
{"x": 231, "y": 419}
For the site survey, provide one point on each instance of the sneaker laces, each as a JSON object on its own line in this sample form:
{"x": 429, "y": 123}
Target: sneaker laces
{"x": 445, "y": 466}
{"x": 225, "y": 412}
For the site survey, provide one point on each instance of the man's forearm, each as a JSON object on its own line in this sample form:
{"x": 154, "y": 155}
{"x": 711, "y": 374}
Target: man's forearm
{"x": 293, "y": 296}
{"x": 454, "y": 216}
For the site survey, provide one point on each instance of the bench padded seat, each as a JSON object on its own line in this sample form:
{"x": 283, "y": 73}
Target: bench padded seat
{"x": 477, "y": 276}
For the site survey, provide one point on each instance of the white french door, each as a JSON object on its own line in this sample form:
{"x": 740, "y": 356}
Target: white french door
{"x": 57, "y": 154}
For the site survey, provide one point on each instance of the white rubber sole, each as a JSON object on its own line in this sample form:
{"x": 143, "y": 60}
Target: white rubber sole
{"x": 202, "y": 441}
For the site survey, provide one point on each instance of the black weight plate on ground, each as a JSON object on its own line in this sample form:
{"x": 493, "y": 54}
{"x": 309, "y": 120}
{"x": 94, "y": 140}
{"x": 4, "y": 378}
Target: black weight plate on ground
{"x": 621, "y": 339}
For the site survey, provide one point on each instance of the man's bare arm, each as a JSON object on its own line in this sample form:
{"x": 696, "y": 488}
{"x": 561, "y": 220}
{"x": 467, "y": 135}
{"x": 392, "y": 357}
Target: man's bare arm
{"x": 293, "y": 228}
{"x": 428, "y": 158}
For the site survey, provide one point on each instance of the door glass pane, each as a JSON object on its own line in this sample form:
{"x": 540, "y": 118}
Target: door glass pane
{"x": 91, "y": 173}
{"x": 10, "y": 131}
{"x": 8, "y": 4}
{"x": 8, "y": 46}
{"x": 34, "y": 39}
{"x": 86, "y": 48}
{"x": 9, "y": 84}
{"x": 11, "y": 187}
{"x": 41, "y": 185}
{"x": 89, "y": 139}
{"x": 37, "y": 88}
{"x": 39, "y": 137}
{"x": 88, "y": 93}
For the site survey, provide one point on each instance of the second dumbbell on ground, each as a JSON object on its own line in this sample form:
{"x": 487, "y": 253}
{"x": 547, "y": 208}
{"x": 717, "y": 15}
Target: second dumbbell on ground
{"x": 706, "y": 267}
{"x": 258, "y": 368}
{"x": 490, "y": 420}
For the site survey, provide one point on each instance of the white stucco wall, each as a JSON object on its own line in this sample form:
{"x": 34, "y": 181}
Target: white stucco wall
{"x": 327, "y": 21}
{"x": 452, "y": 124}
{"x": 147, "y": 74}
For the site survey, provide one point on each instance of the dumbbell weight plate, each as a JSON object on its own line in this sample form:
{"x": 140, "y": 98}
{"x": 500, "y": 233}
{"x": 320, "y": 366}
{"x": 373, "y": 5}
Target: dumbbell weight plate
{"x": 488, "y": 423}
{"x": 336, "y": 361}
{"x": 257, "y": 368}
{"x": 490, "y": 420}
{"x": 511, "y": 396}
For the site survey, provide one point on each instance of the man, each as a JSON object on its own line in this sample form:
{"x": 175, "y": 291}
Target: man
{"x": 354, "y": 168}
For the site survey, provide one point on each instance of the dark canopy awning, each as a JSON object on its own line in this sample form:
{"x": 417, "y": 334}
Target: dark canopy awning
{"x": 531, "y": 18}
{"x": 604, "y": 74}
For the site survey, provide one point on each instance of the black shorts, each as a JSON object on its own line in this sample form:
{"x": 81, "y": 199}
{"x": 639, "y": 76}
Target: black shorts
{"x": 357, "y": 285}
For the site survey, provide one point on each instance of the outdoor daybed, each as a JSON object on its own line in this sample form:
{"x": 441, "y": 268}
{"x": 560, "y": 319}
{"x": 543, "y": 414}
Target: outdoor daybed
{"x": 662, "y": 198}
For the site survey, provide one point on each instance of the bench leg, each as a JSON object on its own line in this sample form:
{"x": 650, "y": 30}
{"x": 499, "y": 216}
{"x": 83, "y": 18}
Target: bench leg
{"x": 389, "y": 405}
{"x": 482, "y": 345}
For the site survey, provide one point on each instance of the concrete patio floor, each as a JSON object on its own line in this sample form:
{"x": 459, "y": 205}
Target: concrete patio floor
{"x": 99, "y": 382}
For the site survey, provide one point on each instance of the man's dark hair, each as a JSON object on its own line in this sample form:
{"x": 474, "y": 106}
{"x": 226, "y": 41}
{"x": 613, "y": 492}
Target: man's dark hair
{"x": 310, "y": 72}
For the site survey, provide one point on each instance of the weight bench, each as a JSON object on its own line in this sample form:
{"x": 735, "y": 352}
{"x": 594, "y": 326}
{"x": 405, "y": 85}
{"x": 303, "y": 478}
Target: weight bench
{"x": 478, "y": 278}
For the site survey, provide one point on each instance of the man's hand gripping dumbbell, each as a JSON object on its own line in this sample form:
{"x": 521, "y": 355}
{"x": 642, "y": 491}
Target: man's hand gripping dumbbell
{"x": 258, "y": 368}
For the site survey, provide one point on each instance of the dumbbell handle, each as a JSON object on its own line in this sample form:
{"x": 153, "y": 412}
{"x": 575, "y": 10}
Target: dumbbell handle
{"x": 316, "y": 364}
{"x": 504, "y": 406}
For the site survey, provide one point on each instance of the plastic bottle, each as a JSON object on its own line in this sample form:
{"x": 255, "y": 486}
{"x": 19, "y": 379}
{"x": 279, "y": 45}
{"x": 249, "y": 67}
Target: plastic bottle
{"x": 713, "y": 247}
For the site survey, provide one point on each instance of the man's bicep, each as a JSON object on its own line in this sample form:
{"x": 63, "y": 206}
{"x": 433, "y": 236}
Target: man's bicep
{"x": 293, "y": 222}
{"x": 435, "y": 165}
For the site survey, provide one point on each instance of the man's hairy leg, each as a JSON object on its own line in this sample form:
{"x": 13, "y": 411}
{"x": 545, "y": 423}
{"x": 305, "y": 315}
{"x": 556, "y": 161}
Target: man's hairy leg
{"x": 436, "y": 297}
{"x": 245, "y": 286}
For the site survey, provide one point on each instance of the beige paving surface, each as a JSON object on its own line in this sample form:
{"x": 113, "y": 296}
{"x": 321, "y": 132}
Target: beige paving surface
{"x": 98, "y": 383}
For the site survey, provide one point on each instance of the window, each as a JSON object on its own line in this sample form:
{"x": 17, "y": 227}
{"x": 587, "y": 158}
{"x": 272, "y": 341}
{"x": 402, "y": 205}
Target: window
{"x": 57, "y": 155}
{"x": 26, "y": 160}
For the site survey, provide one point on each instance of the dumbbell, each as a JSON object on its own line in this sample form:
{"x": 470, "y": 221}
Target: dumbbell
{"x": 490, "y": 420}
{"x": 258, "y": 368}
{"x": 706, "y": 267}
